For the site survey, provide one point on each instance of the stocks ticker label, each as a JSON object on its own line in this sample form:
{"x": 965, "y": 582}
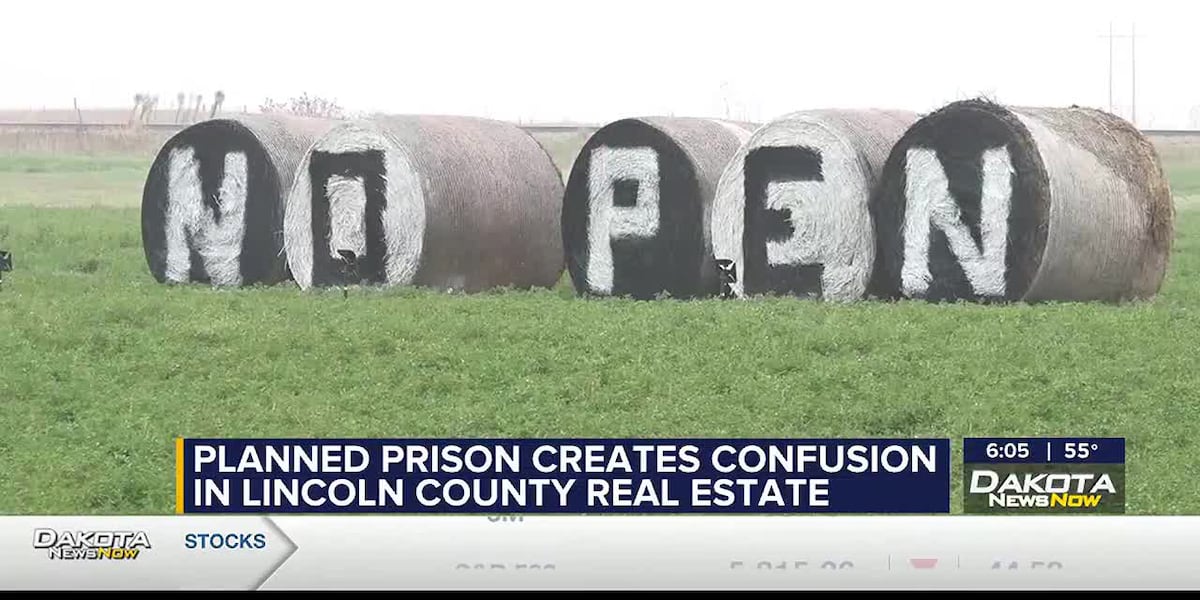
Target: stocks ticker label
{"x": 580, "y": 476}
{"x": 1044, "y": 475}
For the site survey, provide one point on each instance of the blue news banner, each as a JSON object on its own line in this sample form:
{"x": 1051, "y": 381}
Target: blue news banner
{"x": 581, "y": 476}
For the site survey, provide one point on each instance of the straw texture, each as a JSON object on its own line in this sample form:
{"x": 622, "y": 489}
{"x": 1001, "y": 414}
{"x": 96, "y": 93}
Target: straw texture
{"x": 212, "y": 205}
{"x": 991, "y": 203}
{"x": 791, "y": 209}
{"x": 454, "y": 203}
{"x": 638, "y": 203}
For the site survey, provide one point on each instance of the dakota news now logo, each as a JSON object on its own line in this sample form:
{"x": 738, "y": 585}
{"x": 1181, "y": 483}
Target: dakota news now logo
{"x": 1042, "y": 490}
{"x": 91, "y": 545}
{"x": 1053, "y": 488}
{"x": 1044, "y": 475}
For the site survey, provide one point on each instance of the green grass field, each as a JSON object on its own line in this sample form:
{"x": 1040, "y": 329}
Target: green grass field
{"x": 101, "y": 367}
{"x": 1185, "y": 181}
{"x": 72, "y": 181}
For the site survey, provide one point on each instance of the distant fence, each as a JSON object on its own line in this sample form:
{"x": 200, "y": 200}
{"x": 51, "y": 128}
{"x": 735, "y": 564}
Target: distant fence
{"x": 52, "y": 126}
{"x": 531, "y": 127}
{"x": 561, "y": 140}
{"x": 174, "y": 127}
{"x": 144, "y": 139}
{"x": 71, "y": 138}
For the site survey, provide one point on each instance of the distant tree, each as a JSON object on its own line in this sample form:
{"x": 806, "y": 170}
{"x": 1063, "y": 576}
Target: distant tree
{"x": 218, "y": 100}
{"x": 144, "y": 106}
{"x": 304, "y": 106}
{"x": 149, "y": 105}
{"x": 136, "y": 114}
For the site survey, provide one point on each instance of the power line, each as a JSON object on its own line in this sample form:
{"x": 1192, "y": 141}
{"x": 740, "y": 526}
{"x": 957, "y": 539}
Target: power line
{"x": 1133, "y": 71}
{"x": 1110, "y": 67}
{"x": 1132, "y": 37}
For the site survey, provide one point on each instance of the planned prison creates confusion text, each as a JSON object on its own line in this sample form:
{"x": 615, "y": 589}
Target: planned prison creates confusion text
{"x": 550, "y": 458}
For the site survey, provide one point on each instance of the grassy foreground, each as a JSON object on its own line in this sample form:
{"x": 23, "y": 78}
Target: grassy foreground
{"x": 101, "y": 367}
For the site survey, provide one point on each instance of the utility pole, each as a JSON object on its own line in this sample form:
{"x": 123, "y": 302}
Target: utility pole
{"x": 1133, "y": 70}
{"x": 1110, "y": 67}
{"x": 1112, "y": 37}
{"x": 725, "y": 97}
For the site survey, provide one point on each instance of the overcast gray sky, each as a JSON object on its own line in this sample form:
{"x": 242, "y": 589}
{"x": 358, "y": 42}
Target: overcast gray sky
{"x": 599, "y": 60}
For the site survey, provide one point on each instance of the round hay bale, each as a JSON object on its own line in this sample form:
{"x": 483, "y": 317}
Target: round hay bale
{"x": 454, "y": 203}
{"x": 637, "y": 206}
{"x": 792, "y": 208}
{"x": 991, "y": 203}
{"x": 212, "y": 206}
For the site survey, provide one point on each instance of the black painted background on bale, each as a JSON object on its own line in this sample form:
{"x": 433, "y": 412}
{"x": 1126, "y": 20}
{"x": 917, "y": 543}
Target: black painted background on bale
{"x": 262, "y": 245}
{"x": 959, "y": 134}
{"x": 369, "y": 166}
{"x": 642, "y": 268}
{"x": 762, "y": 166}
{"x": 625, "y": 192}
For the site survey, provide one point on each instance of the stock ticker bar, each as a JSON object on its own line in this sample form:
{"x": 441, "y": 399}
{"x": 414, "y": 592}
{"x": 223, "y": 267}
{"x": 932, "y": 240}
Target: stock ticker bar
{"x": 1043, "y": 475}
{"x": 580, "y": 476}
{"x": 548, "y": 552}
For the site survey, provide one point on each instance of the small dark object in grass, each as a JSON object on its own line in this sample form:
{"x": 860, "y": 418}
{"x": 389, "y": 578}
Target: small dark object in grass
{"x": 5, "y": 263}
{"x": 349, "y": 270}
{"x": 727, "y": 272}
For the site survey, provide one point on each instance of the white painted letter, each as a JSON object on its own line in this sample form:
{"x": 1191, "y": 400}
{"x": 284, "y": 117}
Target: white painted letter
{"x": 831, "y": 225}
{"x": 215, "y": 235}
{"x": 607, "y": 222}
{"x": 929, "y": 201}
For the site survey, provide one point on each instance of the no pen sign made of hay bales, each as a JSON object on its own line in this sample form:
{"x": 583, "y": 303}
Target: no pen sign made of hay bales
{"x": 455, "y": 203}
{"x": 792, "y": 207}
{"x": 984, "y": 202}
{"x": 637, "y": 205}
{"x": 212, "y": 206}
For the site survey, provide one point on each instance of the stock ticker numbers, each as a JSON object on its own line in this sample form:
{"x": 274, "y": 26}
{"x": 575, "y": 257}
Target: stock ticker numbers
{"x": 896, "y": 563}
{"x": 1026, "y": 565}
{"x": 505, "y": 566}
{"x": 1043, "y": 476}
{"x": 777, "y": 565}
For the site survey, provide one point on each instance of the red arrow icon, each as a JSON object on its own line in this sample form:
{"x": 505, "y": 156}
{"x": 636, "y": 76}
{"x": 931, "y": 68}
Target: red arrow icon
{"x": 923, "y": 563}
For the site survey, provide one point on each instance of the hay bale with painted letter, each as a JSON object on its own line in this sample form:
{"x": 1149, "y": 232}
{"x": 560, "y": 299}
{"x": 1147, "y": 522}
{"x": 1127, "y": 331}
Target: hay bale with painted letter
{"x": 453, "y": 203}
{"x": 792, "y": 207}
{"x": 212, "y": 206}
{"x": 992, "y": 203}
{"x": 637, "y": 206}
